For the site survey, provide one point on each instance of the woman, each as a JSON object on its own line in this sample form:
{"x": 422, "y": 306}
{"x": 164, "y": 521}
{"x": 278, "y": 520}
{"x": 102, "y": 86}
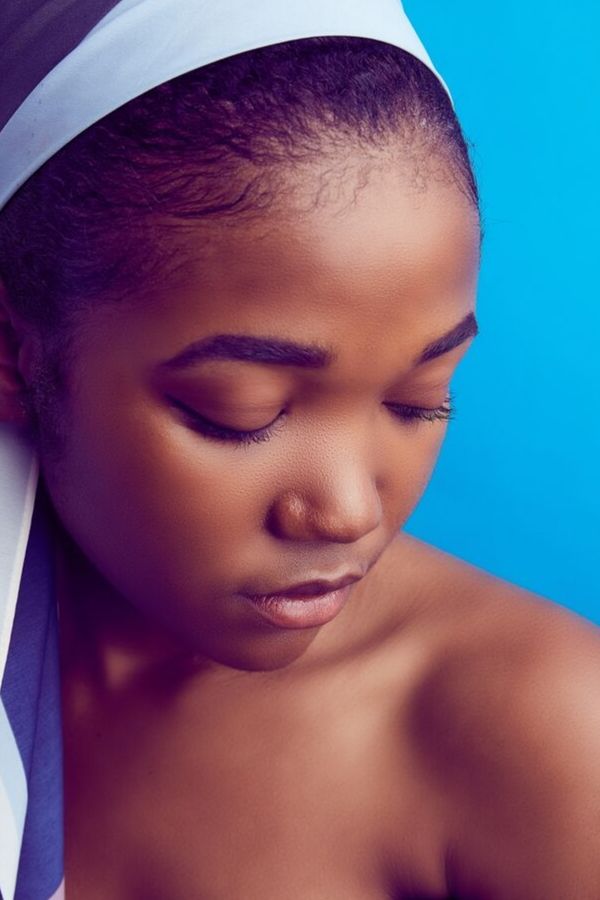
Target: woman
{"x": 229, "y": 338}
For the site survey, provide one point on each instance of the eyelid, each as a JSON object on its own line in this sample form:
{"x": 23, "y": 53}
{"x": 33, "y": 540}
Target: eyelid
{"x": 223, "y": 431}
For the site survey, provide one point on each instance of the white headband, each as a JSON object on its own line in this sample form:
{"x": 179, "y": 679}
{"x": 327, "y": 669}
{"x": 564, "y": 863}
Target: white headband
{"x": 140, "y": 44}
{"x": 136, "y": 46}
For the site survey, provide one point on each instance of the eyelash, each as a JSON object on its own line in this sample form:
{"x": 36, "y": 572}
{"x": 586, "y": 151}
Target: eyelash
{"x": 407, "y": 414}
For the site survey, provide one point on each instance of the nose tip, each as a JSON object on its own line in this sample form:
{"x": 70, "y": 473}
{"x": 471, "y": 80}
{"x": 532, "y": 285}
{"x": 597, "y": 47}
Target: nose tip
{"x": 344, "y": 521}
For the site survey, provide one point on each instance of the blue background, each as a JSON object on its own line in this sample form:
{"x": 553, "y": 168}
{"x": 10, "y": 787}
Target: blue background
{"x": 516, "y": 489}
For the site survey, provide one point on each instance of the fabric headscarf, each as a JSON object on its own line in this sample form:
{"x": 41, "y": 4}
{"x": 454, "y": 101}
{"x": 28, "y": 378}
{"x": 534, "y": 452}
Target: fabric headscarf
{"x": 64, "y": 64}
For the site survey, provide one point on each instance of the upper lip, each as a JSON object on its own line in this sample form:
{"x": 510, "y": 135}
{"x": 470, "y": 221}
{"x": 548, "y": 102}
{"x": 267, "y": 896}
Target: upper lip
{"x": 309, "y": 588}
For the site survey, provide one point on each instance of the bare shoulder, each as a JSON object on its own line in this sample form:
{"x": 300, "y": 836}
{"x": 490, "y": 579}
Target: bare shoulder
{"x": 507, "y": 724}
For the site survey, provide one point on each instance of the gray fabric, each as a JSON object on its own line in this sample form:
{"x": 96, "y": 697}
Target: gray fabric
{"x": 34, "y": 36}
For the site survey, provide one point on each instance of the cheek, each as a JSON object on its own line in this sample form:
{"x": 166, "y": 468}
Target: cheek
{"x": 154, "y": 507}
{"x": 415, "y": 459}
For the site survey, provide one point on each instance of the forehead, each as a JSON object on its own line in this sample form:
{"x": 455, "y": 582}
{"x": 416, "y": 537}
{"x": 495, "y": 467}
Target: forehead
{"x": 384, "y": 236}
{"x": 373, "y": 256}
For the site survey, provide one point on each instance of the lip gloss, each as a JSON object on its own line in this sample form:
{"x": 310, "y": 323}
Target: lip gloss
{"x": 301, "y": 612}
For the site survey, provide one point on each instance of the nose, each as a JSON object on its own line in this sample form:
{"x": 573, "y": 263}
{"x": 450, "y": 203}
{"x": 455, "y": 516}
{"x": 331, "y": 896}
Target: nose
{"x": 344, "y": 506}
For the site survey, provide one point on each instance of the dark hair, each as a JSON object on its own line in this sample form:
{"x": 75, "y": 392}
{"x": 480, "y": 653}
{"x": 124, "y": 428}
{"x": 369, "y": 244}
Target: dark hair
{"x": 87, "y": 225}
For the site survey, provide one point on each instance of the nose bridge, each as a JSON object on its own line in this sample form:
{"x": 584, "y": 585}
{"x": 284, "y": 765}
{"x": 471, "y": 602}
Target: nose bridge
{"x": 335, "y": 495}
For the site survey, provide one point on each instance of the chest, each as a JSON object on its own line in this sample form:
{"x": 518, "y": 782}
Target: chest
{"x": 245, "y": 799}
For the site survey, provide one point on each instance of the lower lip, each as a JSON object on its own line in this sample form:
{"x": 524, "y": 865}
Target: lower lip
{"x": 301, "y": 612}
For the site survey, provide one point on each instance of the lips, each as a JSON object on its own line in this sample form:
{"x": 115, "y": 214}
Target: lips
{"x": 306, "y": 589}
{"x": 300, "y": 612}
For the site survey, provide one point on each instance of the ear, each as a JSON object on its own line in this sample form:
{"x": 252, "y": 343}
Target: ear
{"x": 15, "y": 359}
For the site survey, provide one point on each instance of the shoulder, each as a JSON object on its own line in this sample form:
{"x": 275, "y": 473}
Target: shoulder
{"x": 507, "y": 724}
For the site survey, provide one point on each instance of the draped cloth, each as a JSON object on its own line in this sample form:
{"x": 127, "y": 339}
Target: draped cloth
{"x": 64, "y": 64}
{"x": 31, "y": 829}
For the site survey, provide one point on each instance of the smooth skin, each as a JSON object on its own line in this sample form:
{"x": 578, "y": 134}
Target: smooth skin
{"x": 439, "y": 737}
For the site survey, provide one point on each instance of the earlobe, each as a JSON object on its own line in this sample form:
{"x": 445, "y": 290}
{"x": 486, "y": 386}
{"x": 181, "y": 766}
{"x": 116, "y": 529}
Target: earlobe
{"x": 14, "y": 406}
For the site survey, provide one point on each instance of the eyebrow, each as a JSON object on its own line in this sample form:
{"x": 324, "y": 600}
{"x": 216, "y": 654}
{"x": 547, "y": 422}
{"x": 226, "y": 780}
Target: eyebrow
{"x": 278, "y": 352}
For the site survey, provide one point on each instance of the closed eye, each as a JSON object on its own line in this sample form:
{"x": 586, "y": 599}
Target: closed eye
{"x": 424, "y": 413}
{"x": 215, "y": 431}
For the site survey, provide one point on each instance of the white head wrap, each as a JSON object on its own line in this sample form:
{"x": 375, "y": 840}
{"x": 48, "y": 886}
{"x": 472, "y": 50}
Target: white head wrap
{"x": 131, "y": 48}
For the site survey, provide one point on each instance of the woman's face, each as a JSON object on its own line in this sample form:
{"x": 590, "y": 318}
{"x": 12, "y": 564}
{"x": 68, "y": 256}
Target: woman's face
{"x": 179, "y": 521}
